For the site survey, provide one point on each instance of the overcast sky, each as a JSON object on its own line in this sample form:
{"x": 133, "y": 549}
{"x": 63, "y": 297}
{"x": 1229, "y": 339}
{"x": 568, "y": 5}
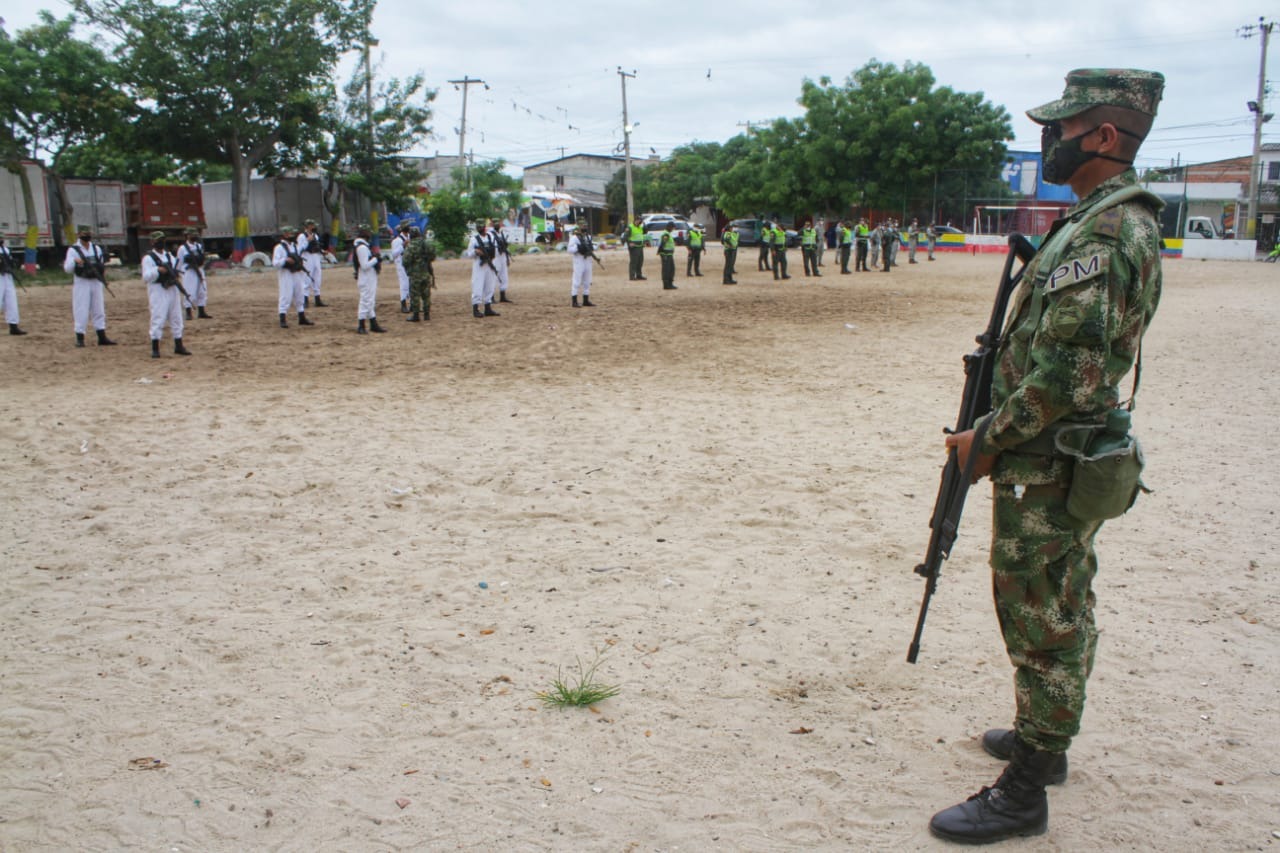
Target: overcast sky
{"x": 704, "y": 71}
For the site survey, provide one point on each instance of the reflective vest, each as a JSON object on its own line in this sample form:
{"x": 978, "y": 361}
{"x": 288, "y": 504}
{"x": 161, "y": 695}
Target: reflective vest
{"x": 695, "y": 239}
{"x": 729, "y": 239}
{"x": 809, "y": 237}
{"x": 667, "y": 245}
{"x": 635, "y": 235}
{"x": 780, "y": 238}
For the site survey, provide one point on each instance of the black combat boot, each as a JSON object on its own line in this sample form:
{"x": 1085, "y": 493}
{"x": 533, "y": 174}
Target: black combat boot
{"x": 103, "y": 340}
{"x": 475, "y": 312}
{"x": 360, "y": 329}
{"x": 502, "y": 296}
{"x": 14, "y": 330}
{"x": 1000, "y": 744}
{"x": 426, "y": 313}
{"x": 373, "y": 325}
{"x": 320, "y": 303}
{"x": 586, "y": 302}
{"x": 178, "y": 348}
{"x": 80, "y": 339}
{"x": 404, "y": 306}
{"x": 489, "y": 312}
{"x": 205, "y": 315}
{"x": 188, "y": 313}
{"x": 306, "y": 302}
{"x": 284, "y": 324}
{"x": 416, "y": 318}
{"x": 1014, "y": 806}
{"x": 155, "y": 348}
{"x": 302, "y": 319}
{"x": 573, "y": 300}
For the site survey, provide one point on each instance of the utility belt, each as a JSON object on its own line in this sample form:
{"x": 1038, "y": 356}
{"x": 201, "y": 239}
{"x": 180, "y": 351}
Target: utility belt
{"x": 1046, "y": 443}
{"x": 1105, "y": 481}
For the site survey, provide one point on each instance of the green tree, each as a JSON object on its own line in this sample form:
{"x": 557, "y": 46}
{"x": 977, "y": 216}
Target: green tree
{"x": 886, "y": 138}
{"x": 452, "y": 210}
{"x": 232, "y": 81}
{"x": 366, "y": 131}
{"x": 60, "y": 92}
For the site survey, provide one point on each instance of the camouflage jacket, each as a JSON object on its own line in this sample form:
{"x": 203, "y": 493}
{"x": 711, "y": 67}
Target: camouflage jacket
{"x": 417, "y": 260}
{"x": 1074, "y": 328}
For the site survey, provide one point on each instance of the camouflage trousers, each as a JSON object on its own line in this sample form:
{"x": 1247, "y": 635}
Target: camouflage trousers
{"x": 420, "y": 292}
{"x": 1043, "y": 565}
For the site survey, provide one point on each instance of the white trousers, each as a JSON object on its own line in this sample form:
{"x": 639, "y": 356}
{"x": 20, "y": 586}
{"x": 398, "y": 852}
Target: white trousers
{"x": 166, "y": 310}
{"x": 581, "y": 276}
{"x": 311, "y": 286}
{"x": 193, "y": 283}
{"x": 9, "y": 299}
{"x": 87, "y": 304}
{"x": 403, "y": 278}
{"x": 483, "y": 283}
{"x": 290, "y": 290}
{"x": 367, "y": 285}
{"x": 502, "y": 262}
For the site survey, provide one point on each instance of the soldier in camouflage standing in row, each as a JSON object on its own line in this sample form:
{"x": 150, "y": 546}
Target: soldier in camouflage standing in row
{"x": 1073, "y": 332}
{"x": 418, "y": 259}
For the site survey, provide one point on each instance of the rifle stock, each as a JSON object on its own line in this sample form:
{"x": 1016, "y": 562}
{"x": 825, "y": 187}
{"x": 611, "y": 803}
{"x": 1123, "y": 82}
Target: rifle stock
{"x": 979, "y": 366}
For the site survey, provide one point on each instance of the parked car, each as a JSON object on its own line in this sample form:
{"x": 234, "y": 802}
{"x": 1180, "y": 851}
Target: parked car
{"x": 655, "y": 224}
{"x": 946, "y": 229}
{"x": 749, "y": 232}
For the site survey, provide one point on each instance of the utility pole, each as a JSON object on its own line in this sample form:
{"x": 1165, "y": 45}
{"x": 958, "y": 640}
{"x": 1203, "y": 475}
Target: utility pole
{"x": 1260, "y": 117}
{"x": 466, "y": 82}
{"x": 369, "y": 43}
{"x": 626, "y": 141}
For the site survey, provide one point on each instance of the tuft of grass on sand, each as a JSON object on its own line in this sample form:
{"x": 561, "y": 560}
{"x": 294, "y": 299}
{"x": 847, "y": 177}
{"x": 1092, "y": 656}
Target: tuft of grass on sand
{"x": 583, "y": 690}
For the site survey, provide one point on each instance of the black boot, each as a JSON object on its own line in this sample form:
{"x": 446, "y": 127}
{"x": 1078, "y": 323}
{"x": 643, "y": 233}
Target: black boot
{"x": 284, "y": 324}
{"x": 1000, "y": 744}
{"x": 475, "y": 312}
{"x": 306, "y": 302}
{"x": 489, "y": 312}
{"x": 320, "y": 303}
{"x": 1014, "y": 806}
{"x": 14, "y": 330}
{"x": 103, "y": 340}
{"x": 373, "y": 325}
{"x": 360, "y": 329}
{"x": 188, "y": 313}
{"x": 178, "y": 348}
{"x": 155, "y": 348}
{"x": 302, "y": 319}
{"x": 80, "y": 339}
{"x": 573, "y": 300}
{"x": 426, "y": 314}
{"x": 416, "y": 318}
{"x": 205, "y": 315}
{"x": 404, "y": 306}
{"x": 502, "y": 297}
{"x": 586, "y": 302}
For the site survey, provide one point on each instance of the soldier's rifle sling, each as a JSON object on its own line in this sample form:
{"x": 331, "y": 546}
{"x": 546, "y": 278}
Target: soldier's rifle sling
{"x": 979, "y": 367}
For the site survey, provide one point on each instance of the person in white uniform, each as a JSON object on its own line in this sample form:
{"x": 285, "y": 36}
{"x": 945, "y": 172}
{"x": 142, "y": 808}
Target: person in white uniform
{"x": 398, "y": 244}
{"x": 367, "y": 266}
{"x": 582, "y": 251}
{"x": 311, "y": 246}
{"x": 290, "y": 276}
{"x": 164, "y": 294}
{"x": 191, "y": 261}
{"x": 501, "y": 261}
{"x": 8, "y": 291}
{"x": 87, "y": 263}
{"x": 484, "y": 278}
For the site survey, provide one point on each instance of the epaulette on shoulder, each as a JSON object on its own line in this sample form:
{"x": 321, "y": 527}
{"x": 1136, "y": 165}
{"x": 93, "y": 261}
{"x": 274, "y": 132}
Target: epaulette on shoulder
{"x": 1108, "y": 223}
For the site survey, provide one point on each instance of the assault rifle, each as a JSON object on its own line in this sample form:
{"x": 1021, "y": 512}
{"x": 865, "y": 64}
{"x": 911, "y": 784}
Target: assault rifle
{"x": 485, "y": 254}
{"x": 591, "y": 254}
{"x": 979, "y": 367}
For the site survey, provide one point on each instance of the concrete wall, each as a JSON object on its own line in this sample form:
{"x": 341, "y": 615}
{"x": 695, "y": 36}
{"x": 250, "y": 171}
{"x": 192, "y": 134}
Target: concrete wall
{"x": 1217, "y": 250}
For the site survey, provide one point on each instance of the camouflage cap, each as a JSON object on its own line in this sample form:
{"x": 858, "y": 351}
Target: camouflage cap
{"x": 1103, "y": 87}
{"x": 157, "y": 236}
{"x": 308, "y": 223}
{"x": 83, "y": 229}
{"x": 191, "y": 230}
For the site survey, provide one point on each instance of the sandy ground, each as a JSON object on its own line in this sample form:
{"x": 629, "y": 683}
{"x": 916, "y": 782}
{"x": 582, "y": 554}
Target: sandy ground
{"x": 314, "y": 573}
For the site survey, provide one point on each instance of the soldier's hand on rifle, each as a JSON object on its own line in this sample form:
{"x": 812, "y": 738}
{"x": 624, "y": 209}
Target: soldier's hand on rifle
{"x": 963, "y": 444}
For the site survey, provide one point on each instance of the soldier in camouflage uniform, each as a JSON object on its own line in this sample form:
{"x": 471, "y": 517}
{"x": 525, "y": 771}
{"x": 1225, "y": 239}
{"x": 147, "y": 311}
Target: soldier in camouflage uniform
{"x": 1072, "y": 334}
{"x": 418, "y": 261}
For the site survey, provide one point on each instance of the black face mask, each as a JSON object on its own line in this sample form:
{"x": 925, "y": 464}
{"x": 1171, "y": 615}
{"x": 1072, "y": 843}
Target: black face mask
{"x": 1062, "y": 157}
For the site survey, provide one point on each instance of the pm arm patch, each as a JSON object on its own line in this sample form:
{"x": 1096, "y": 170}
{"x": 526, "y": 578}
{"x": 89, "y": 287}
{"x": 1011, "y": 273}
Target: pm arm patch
{"x": 1077, "y": 270}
